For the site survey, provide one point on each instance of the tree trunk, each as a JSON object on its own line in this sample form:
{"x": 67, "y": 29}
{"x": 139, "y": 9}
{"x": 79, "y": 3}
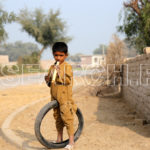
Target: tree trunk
{"x": 134, "y": 5}
{"x": 41, "y": 51}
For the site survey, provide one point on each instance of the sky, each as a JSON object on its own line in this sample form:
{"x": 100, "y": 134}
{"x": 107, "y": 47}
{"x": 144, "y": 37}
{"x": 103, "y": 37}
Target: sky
{"x": 89, "y": 22}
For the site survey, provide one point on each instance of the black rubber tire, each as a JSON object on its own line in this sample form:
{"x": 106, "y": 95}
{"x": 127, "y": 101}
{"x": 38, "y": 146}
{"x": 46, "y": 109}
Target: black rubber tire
{"x": 38, "y": 121}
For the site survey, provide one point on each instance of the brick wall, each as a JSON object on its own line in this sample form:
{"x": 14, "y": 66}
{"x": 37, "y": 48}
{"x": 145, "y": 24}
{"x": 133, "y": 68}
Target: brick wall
{"x": 136, "y": 84}
{"x": 86, "y": 60}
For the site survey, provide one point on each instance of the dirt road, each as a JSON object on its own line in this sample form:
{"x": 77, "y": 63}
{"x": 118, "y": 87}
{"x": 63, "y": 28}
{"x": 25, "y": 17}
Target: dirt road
{"x": 109, "y": 123}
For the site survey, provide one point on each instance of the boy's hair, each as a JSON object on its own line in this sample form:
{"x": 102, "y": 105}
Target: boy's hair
{"x": 60, "y": 46}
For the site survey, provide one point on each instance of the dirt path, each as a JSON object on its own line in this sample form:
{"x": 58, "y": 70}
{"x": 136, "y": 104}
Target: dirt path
{"x": 109, "y": 123}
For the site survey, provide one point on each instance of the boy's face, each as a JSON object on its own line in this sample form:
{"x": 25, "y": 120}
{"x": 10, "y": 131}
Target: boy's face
{"x": 60, "y": 56}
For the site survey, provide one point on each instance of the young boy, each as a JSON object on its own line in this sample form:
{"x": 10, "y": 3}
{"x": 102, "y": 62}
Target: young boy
{"x": 61, "y": 90}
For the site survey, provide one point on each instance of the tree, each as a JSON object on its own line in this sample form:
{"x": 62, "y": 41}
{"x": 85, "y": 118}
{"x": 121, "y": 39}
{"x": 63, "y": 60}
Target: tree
{"x": 14, "y": 50}
{"x": 75, "y": 58}
{"x": 116, "y": 51}
{"x": 102, "y": 49}
{"x": 130, "y": 50}
{"x": 29, "y": 59}
{"x": 136, "y": 23}
{"x": 45, "y": 29}
{"x": 115, "y": 57}
{"x": 111, "y": 74}
{"x": 5, "y": 17}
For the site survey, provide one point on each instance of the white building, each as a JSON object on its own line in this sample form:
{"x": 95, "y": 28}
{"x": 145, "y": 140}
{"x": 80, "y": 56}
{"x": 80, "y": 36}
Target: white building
{"x": 92, "y": 60}
{"x": 98, "y": 60}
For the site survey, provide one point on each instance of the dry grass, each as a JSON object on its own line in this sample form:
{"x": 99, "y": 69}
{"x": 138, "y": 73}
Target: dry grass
{"x": 113, "y": 68}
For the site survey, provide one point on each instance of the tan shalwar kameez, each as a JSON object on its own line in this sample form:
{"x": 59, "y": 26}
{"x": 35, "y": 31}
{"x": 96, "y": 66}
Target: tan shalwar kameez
{"x": 61, "y": 91}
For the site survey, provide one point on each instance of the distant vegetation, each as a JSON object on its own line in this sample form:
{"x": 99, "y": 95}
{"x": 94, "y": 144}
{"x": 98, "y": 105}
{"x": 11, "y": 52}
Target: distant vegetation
{"x": 24, "y": 65}
{"x": 17, "y": 49}
{"x": 74, "y": 58}
{"x": 29, "y": 59}
{"x": 102, "y": 49}
{"x": 29, "y": 62}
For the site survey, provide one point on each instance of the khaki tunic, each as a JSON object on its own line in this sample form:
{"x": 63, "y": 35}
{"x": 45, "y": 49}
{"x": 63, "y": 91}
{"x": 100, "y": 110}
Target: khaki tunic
{"x": 61, "y": 91}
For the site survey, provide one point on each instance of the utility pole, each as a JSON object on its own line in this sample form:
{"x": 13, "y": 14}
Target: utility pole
{"x": 103, "y": 49}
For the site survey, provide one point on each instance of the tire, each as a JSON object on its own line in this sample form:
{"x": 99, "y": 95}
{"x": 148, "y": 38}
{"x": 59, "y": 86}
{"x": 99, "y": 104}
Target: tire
{"x": 38, "y": 121}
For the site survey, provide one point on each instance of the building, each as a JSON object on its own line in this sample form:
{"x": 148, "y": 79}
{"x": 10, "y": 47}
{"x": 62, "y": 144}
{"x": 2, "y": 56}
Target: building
{"x": 92, "y": 60}
{"x": 86, "y": 60}
{"x": 98, "y": 60}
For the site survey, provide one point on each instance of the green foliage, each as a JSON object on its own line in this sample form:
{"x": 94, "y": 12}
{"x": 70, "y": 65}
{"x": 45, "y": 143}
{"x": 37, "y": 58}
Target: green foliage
{"x": 45, "y": 29}
{"x": 14, "y": 50}
{"x": 25, "y": 65}
{"x": 5, "y": 18}
{"x": 0, "y": 70}
{"x": 29, "y": 59}
{"x": 130, "y": 51}
{"x": 14, "y": 67}
{"x": 8, "y": 70}
{"x": 137, "y": 26}
{"x": 4, "y": 71}
{"x": 28, "y": 62}
{"x": 100, "y": 50}
{"x": 146, "y": 23}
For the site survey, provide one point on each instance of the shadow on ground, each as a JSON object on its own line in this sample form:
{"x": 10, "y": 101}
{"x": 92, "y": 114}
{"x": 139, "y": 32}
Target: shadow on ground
{"x": 113, "y": 110}
{"x": 30, "y": 141}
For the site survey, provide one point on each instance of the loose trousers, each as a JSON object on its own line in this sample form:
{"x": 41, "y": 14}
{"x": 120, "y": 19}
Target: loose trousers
{"x": 64, "y": 114}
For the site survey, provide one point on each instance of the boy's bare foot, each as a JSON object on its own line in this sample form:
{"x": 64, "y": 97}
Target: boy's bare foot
{"x": 71, "y": 143}
{"x": 69, "y": 147}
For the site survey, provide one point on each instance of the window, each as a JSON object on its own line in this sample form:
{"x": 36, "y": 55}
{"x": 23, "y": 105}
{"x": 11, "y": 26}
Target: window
{"x": 95, "y": 60}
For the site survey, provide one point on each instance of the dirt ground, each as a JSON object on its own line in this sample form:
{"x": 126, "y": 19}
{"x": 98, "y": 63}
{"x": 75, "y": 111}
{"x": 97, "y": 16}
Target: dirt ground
{"x": 109, "y": 122}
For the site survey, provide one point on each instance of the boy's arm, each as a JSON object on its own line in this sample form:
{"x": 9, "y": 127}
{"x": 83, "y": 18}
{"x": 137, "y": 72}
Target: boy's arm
{"x": 48, "y": 77}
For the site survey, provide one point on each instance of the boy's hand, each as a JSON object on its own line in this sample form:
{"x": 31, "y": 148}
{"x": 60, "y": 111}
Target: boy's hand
{"x": 46, "y": 78}
{"x": 47, "y": 81}
{"x": 57, "y": 69}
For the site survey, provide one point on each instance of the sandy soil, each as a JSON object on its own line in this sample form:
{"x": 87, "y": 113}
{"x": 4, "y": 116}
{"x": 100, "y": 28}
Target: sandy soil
{"x": 109, "y": 122}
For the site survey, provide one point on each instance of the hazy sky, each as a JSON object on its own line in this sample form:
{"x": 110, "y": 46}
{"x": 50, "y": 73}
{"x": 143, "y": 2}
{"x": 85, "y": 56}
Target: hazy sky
{"x": 90, "y": 22}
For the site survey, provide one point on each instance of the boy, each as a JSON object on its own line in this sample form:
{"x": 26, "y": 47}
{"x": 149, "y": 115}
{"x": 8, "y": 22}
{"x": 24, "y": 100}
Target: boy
{"x": 61, "y": 90}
